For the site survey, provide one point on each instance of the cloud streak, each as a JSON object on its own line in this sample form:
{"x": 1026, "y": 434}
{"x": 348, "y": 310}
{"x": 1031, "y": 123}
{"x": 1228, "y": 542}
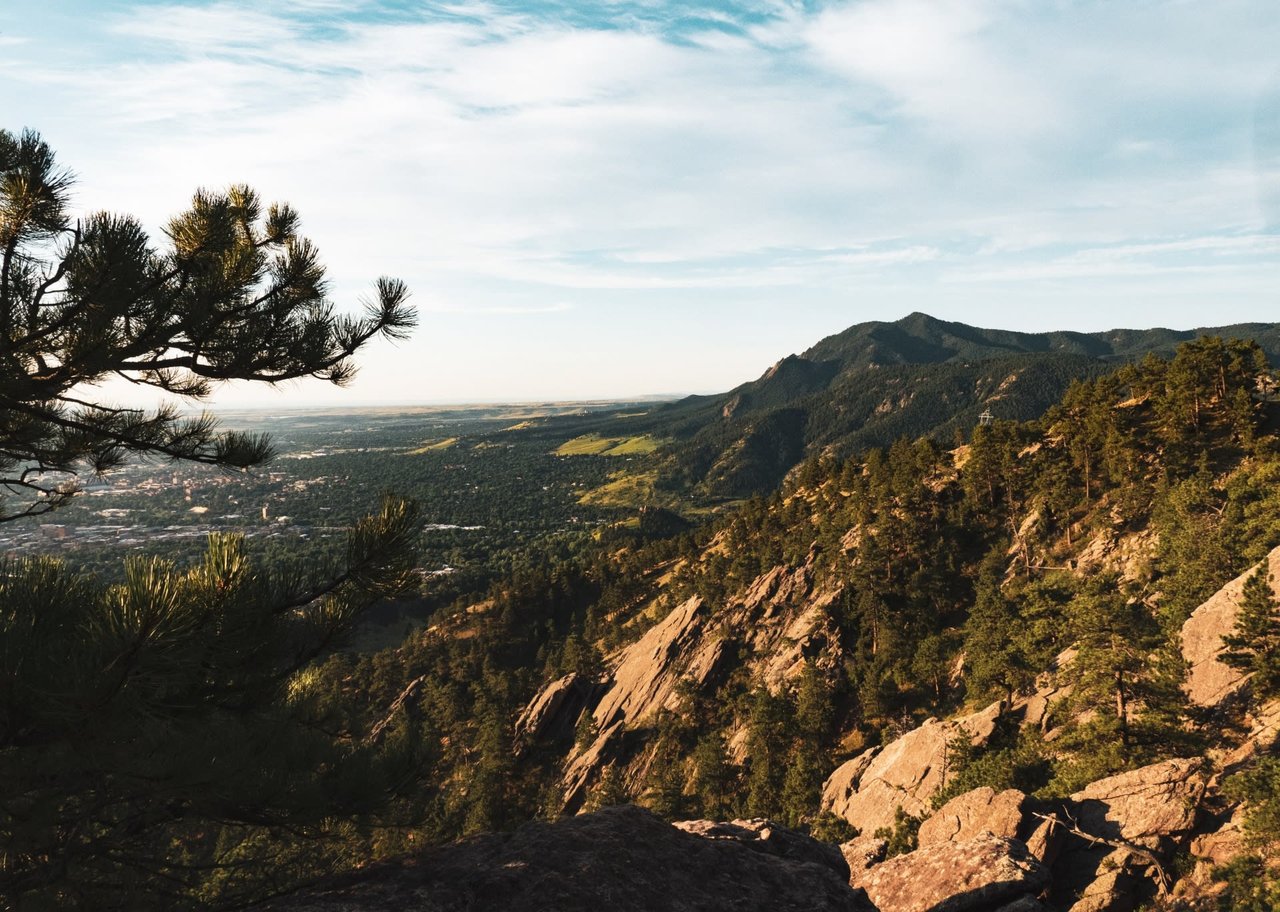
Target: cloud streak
{"x": 554, "y": 160}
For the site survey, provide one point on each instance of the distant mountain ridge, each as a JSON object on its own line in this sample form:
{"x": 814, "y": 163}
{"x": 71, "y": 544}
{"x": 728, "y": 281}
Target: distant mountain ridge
{"x": 921, "y": 339}
{"x": 877, "y": 381}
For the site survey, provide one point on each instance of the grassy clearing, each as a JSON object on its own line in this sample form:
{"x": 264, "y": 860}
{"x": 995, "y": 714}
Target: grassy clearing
{"x": 623, "y": 490}
{"x": 432, "y": 446}
{"x": 595, "y": 445}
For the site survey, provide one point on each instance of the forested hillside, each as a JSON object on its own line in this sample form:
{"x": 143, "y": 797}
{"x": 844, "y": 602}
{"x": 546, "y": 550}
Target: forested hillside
{"x": 732, "y": 671}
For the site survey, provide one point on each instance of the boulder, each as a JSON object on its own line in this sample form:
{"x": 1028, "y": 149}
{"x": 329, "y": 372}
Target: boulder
{"x": 1209, "y": 681}
{"x": 981, "y": 812}
{"x": 619, "y": 858}
{"x": 868, "y": 790}
{"x": 979, "y": 875}
{"x": 1146, "y": 806}
{"x": 1144, "y": 815}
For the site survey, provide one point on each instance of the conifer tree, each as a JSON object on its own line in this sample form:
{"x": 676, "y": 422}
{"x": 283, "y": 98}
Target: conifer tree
{"x": 236, "y": 293}
{"x": 1254, "y": 644}
{"x": 159, "y": 740}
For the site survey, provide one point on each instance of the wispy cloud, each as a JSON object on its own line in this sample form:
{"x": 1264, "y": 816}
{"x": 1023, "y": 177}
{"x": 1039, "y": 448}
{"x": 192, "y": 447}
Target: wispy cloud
{"x": 513, "y": 158}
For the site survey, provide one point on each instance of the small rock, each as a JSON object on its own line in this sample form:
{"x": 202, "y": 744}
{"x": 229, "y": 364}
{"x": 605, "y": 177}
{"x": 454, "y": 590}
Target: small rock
{"x": 863, "y": 853}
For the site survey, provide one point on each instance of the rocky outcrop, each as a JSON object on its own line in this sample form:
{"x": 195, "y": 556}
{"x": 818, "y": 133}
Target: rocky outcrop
{"x": 645, "y": 674}
{"x": 1146, "y": 807}
{"x": 906, "y": 773}
{"x": 619, "y": 858}
{"x": 971, "y": 876}
{"x": 586, "y": 766}
{"x": 981, "y": 812}
{"x": 777, "y": 626}
{"x": 554, "y": 712}
{"x": 1209, "y": 681}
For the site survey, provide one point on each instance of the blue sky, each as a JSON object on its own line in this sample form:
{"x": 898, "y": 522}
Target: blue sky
{"x": 623, "y": 198}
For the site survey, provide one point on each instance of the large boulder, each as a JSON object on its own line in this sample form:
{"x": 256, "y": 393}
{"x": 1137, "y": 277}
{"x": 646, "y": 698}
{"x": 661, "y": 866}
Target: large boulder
{"x": 1133, "y": 822}
{"x": 973, "y": 876}
{"x": 981, "y": 812}
{"x": 619, "y": 858}
{"x": 906, "y": 773}
{"x": 1209, "y": 681}
{"x": 1146, "y": 807}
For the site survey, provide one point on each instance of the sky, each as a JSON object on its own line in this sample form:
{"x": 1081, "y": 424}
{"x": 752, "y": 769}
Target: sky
{"x": 633, "y": 197}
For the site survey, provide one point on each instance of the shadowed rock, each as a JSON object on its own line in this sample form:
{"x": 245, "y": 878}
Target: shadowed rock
{"x": 621, "y": 858}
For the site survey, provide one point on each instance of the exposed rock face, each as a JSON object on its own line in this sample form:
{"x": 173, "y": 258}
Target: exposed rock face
{"x": 981, "y": 812}
{"x": 906, "y": 773}
{"x": 778, "y": 625}
{"x": 585, "y": 766}
{"x": 620, "y": 858}
{"x": 979, "y": 874}
{"x": 1209, "y": 681}
{"x": 642, "y": 680}
{"x": 1145, "y": 807}
{"x": 554, "y": 713}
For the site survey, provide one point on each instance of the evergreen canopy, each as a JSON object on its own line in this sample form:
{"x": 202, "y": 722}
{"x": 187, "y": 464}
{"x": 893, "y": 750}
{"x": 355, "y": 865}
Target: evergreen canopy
{"x": 159, "y": 743}
{"x": 234, "y": 294}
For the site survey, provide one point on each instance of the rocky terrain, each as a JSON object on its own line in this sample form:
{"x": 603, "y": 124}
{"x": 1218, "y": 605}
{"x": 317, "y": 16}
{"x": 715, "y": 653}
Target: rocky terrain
{"x": 620, "y": 858}
{"x": 1151, "y": 834}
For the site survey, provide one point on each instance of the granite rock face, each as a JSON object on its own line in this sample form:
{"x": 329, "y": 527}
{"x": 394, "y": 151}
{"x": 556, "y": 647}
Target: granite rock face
{"x": 621, "y": 858}
{"x": 1209, "y": 681}
{"x": 981, "y": 812}
{"x": 907, "y": 772}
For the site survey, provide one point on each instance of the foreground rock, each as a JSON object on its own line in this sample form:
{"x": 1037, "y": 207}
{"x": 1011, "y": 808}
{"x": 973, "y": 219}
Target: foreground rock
{"x": 973, "y": 876}
{"x": 621, "y": 858}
